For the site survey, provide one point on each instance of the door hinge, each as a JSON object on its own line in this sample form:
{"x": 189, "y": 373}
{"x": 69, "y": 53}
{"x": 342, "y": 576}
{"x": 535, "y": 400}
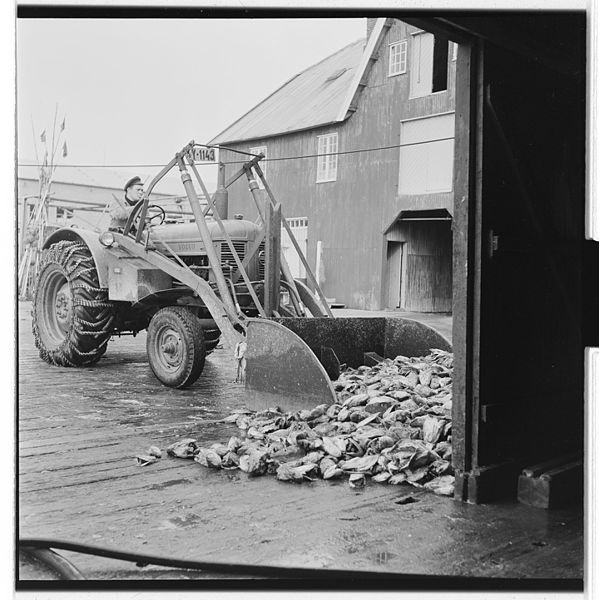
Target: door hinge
{"x": 492, "y": 243}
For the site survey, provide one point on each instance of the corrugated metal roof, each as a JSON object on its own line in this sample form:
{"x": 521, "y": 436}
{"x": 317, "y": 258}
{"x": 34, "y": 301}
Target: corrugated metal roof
{"x": 310, "y": 99}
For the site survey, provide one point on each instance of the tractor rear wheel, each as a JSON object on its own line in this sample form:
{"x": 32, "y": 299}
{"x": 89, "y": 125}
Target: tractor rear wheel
{"x": 72, "y": 316}
{"x": 175, "y": 346}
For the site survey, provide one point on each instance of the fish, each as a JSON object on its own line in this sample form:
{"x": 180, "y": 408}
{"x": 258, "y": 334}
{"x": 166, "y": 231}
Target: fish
{"x": 289, "y": 472}
{"x": 254, "y": 462}
{"x": 359, "y": 464}
{"x": 184, "y": 448}
{"x": 357, "y": 480}
{"x": 432, "y": 429}
{"x": 333, "y": 446}
{"x": 143, "y": 460}
{"x": 208, "y": 458}
{"x": 390, "y": 422}
{"x": 220, "y": 449}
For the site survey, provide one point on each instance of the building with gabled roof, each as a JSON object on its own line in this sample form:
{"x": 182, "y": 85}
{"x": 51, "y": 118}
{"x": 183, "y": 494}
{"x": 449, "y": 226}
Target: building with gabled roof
{"x": 309, "y": 99}
{"x": 359, "y": 151}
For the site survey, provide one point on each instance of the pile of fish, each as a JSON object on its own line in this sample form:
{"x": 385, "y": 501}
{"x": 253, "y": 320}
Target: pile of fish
{"x": 391, "y": 423}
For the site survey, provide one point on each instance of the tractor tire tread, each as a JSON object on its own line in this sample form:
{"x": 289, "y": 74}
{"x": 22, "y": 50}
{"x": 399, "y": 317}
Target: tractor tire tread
{"x": 92, "y": 313}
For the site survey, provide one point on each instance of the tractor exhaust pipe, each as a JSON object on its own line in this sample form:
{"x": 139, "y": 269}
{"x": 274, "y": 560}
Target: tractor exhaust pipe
{"x": 221, "y": 196}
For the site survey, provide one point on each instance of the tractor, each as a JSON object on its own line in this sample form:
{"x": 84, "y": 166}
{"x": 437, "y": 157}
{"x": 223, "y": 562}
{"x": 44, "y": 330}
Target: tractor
{"x": 191, "y": 285}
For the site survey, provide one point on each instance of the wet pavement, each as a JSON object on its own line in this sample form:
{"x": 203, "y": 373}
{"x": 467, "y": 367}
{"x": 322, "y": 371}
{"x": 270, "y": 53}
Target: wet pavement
{"x": 80, "y": 430}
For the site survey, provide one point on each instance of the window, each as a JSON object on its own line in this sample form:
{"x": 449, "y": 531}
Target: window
{"x": 326, "y": 167}
{"x": 262, "y": 163}
{"x": 426, "y": 155}
{"x": 454, "y": 51}
{"x": 295, "y": 222}
{"x": 428, "y": 66}
{"x": 398, "y": 58}
{"x": 63, "y": 213}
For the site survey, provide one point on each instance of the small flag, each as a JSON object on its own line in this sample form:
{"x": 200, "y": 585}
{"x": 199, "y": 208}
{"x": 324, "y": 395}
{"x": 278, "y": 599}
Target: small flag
{"x": 62, "y": 126}
{"x": 64, "y": 149}
{"x": 43, "y": 136}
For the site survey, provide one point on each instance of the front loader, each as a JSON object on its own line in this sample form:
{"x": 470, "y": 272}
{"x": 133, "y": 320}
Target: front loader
{"x": 191, "y": 284}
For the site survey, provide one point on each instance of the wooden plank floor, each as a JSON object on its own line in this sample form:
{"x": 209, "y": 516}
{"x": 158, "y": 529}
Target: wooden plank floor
{"x": 80, "y": 429}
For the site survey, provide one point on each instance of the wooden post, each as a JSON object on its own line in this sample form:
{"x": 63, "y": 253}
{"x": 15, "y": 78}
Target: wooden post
{"x": 23, "y": 228}
{"x": 467, "y": 264}
{"x": 272, "y": 264}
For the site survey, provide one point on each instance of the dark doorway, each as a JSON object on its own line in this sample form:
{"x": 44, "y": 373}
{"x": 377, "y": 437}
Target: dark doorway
{"x": 395, "y": 263}
{"x": 419, "y": 262}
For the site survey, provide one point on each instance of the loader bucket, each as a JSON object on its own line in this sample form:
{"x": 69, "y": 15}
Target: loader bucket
{"x": 291, "y": 362}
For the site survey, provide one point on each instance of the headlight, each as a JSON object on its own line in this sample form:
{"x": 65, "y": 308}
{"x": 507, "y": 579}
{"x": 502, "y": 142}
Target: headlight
{"x": 107, "y": 239}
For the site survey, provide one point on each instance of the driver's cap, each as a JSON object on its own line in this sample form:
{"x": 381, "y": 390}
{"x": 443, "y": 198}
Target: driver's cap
{"x": 133, "y": 181}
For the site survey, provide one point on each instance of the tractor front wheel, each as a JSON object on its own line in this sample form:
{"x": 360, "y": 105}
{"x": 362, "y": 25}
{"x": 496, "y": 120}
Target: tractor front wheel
{"x": 176, "y": 347}
{"x": 72, "y": 316}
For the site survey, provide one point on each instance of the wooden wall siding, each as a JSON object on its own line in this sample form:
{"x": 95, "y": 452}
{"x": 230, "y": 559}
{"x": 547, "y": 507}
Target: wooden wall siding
{"x": 428, "y": 285}
{"x": 351, "y": 214}
{"x": 423, "y": 237}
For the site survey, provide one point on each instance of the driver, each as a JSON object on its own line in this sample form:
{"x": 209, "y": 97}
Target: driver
{"x": 120, "y": 211}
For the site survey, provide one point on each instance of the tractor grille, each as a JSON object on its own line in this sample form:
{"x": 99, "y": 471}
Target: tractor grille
{"x": 226, "y": 256}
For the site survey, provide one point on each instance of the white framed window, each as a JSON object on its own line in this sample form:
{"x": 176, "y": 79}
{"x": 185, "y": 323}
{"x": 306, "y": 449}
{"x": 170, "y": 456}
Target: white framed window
{"x": 398, "y": 58}
{"x": 326, "y": 166}
{"x": 297, "y": 222}
{"x": 262, "y": 163}
{"x": 426, "y": 155}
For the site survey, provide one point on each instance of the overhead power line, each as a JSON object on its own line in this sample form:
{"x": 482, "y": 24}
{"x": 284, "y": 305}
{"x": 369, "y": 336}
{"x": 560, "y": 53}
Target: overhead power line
{"x": 233, "y": 162}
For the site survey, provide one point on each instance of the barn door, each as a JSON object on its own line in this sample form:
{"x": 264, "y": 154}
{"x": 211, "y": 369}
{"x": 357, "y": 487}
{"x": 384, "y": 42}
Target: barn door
{"x": 429, "y": 283}
{"x": 428, "y": 271}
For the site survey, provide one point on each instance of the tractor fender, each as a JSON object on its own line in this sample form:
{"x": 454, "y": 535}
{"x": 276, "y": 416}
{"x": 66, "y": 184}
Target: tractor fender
{"x": 101, "y": 258}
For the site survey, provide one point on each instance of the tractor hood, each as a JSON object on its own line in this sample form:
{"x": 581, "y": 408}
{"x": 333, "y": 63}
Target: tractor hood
{"x": 184, "y": 238}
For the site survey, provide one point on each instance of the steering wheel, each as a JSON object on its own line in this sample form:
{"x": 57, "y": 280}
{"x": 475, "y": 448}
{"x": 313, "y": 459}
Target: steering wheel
{"x": 158, "y": 211}
{"x": 133, "y": 224}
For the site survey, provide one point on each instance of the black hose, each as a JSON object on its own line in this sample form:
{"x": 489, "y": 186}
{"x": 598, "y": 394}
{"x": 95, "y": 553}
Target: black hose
{"x": 306, "y": 574}
{"x": 58, "y": 564}
{"x": 300, "y": 577}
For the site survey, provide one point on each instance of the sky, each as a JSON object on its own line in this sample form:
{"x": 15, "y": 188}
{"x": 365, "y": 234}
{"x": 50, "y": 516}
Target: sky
{"x": 136, "y": 91}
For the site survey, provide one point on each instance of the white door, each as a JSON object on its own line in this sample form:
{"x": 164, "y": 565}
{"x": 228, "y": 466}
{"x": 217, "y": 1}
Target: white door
{"x": 421, "y": 65}
{"x": 299, "y": 228}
